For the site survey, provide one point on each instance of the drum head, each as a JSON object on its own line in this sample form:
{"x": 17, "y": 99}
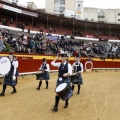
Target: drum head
{"x": 61, "y": 87}
{"x": 5, "y": 65}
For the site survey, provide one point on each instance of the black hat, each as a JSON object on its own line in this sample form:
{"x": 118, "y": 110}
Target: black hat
{"x": 10, "y": 55}
{"x": 44, "y": 59}
{"x": 78, "y": 55}
{"x": 63, "y": 55}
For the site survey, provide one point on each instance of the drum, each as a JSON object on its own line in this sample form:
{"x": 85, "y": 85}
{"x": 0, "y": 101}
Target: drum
{"x": 64, "y": 91}
{"x": 5, "y": 65}
{"x": 39, "y": 76}
{"x": 74, "y": 78}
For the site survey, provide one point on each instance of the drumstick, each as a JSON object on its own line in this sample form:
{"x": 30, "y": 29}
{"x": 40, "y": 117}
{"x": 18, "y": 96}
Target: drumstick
{"x": 74, "y": 74}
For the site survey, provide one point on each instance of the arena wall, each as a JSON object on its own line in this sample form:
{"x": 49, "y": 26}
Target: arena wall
{"x": 31, "y": 63}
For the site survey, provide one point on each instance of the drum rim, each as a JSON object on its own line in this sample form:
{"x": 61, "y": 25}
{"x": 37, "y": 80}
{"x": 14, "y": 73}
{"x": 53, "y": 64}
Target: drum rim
{"x": 62, "y": 89}
{"x": 9, "y": 67}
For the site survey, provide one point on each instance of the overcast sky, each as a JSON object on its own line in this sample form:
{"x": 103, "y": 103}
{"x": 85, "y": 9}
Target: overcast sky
{"x": 87, "y": 3}
{"x": 102, "y": 3}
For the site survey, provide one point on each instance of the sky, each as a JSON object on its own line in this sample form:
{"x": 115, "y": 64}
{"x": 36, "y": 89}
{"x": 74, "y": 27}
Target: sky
{"x": 87, "y": 3}
{"x": 102, "y": 3}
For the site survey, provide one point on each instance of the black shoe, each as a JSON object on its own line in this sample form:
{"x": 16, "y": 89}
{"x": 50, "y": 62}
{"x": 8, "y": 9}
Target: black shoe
{"x": 13, "y": 92}
{"x": 2, "y": 94}
{"x": 38, "y": 88}
{"x": 54, "y": 109}
{"x": 66, "y": 106}
{"x": 78, "y": 93}
{"x": 46, "y": 87}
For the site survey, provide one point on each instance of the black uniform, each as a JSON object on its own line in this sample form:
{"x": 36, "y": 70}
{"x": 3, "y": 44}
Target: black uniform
{"x": 63, "y": 68}
{"x": 44, "y": 75}
{"x": 77, "y": 79}
{"x": 8, "y": 80}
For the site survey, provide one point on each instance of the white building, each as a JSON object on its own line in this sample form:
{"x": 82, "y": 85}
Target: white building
{"x": 68, "y": 8}
{"x": 102, "y": 15}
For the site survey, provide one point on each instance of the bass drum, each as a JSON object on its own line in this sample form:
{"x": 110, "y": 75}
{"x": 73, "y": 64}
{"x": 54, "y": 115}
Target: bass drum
{"x": 64, "y": 91}
{"x": 5, "y": 65}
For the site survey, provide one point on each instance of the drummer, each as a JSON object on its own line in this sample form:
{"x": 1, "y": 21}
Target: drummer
{"x": 45, "y": 68}
{"x": 64, "y": 70}
{"x": 9, "y": 78}
{"x": 78, "y": 69}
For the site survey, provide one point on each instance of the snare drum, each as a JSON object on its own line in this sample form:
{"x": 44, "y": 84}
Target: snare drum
{"x": 5, "y": 65}
{"x": 64, "y": 91}
{"x": 74, "y": 78}
{"x": 39, "y": 76}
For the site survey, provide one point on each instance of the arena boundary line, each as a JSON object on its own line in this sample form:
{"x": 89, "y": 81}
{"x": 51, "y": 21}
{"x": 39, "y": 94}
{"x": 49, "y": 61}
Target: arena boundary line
{"x": 106, "y": 68}
{"x": 30, "y": 73}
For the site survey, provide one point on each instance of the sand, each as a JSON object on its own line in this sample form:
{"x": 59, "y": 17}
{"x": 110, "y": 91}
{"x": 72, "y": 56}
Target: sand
{"x": 99, "y": 99}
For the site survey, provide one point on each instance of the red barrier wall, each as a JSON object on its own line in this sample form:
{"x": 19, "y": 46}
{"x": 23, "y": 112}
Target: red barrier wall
{"x": 31, "y": 63}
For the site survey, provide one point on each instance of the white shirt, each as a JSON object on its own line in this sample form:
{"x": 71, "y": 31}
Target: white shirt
{"x": 80, "y": 65}
{"x": 16, "y": 63}
{"x": 15, "y": 67}
{"x": 58, "y": 65}
{"x": 47, "y": 65}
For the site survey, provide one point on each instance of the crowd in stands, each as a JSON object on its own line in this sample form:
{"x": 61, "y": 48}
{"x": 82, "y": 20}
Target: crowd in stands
{"x": 41, "y": 44}
{"x": 100, "y": 35}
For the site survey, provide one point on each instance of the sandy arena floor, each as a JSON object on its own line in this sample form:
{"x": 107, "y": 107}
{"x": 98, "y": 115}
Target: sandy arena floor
{"x": 99, "y": 99}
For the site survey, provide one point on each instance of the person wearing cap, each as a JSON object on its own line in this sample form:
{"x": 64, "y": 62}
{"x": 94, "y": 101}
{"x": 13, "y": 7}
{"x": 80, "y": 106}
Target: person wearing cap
{"x": 64, "y": 71}
{"x": 78, "y": 69}
{"x": 9, "y": 78}
{"x": 45, "y": 68}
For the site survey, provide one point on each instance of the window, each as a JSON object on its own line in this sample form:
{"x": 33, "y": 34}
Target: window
{"x": 92, "y": 19}
{"x": 78, "y": 16}
{"x": 101, "y": 16}
{"x": 56, "y": 1}
{"x": 62, "y": 1}
{"x": 118, "y": 14}
{"x": 86, "y": 18}
{"x": 78, "y": 5}
{"x": 62, "y": 9}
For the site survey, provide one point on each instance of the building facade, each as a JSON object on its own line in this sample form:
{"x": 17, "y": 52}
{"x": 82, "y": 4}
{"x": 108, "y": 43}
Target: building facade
{"x": 67, "y": 8}
{"x": 102, "y": 15}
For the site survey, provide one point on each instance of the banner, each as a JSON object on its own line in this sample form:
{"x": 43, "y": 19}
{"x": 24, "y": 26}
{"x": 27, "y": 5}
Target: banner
{"x": 89, "y": 36}
{"x": 53, "y": 38}
{"x": 29, "y": 13}
{"x": 12, "y": 9}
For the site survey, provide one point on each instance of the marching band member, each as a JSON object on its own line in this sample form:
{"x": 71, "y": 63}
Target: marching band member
{"x": 64, "y": 71}
{"x": 45, "y": 68}
{"x": 9, "y": 78}
{"x": 16, "y": 62}
{"x": 78, "y": 68}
